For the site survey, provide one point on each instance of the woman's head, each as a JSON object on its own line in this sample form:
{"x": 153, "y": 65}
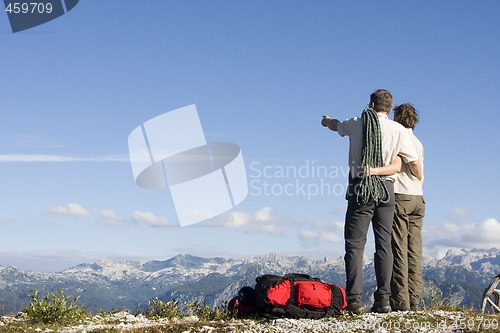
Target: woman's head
{"x": 406, "y": 115}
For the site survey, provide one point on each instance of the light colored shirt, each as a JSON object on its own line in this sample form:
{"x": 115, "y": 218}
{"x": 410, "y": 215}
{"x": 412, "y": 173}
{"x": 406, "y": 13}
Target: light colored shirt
{"x": 406, "y": 182}
{"x": 395, "y": 141}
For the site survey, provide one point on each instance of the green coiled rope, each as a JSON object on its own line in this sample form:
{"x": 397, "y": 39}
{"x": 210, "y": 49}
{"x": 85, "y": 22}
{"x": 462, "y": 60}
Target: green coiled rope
{"x": 372, "y": 189}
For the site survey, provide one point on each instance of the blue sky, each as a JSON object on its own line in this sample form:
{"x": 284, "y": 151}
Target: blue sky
{"x": 261, "y": 75}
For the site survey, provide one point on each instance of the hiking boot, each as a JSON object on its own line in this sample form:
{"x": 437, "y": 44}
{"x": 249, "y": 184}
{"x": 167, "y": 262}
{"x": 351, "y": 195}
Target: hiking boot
{"x": 381, "y": 306}
{"x": 398, "y": 306}
{"x": 355, "y": 307}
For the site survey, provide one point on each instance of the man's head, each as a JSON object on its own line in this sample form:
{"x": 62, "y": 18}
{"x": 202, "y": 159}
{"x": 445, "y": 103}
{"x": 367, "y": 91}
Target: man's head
{"x": 406, "y": 115}
{"x": 381, "y": 101}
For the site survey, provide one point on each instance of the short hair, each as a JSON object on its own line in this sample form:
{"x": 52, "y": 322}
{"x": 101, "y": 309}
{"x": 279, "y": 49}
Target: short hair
{"x": 406, "y": 115}
{"x": 382, "y": 100}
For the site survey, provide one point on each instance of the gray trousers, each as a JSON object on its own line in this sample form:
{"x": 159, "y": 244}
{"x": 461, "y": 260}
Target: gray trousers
{"x": 356, "y": 227}
{"x": 407, "y": 282}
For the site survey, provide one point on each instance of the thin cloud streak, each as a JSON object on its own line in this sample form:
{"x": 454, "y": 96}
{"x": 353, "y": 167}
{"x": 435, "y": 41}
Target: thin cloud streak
{"x": 259, "y": 222}
{"x": 71, "y": 209}
{"x": 149, "y": 219}
{"x": 30, "y": 158}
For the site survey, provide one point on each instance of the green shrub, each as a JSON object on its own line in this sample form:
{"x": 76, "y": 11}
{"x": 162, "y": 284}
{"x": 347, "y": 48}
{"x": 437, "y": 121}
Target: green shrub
{"x": 54, "y": 309}
{"x": 158, "y": 309}
{"x": 206, "y": 313}
{"x": 438, "y": 302}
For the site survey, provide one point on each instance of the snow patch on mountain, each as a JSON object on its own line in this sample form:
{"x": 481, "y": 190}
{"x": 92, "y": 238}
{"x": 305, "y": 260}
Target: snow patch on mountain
{"x": 461, "y": 275}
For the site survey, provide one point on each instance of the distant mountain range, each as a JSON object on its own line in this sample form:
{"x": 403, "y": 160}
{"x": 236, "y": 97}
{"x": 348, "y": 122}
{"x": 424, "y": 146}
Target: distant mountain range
{"x": 461, "y": 276}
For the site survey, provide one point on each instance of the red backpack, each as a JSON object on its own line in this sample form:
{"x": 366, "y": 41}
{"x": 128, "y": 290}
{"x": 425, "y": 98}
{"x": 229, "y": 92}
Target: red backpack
{"x": 294, "y": 296}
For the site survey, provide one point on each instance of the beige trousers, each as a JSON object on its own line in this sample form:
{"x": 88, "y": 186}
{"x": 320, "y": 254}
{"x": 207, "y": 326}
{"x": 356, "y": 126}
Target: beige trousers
{"x": 407, "y": 282}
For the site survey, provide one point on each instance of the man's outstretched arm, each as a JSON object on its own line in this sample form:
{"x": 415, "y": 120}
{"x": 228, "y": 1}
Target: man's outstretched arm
{"x": 330, "y": 123}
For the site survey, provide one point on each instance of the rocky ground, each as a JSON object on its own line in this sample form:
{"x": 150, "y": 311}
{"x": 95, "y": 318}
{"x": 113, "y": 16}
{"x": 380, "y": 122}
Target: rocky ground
{"x": 421, "y": 321}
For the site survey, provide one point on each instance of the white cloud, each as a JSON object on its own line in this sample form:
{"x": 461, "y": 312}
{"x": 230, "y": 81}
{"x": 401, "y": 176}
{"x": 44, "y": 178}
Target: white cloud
{"x": 149, "y": 219}
{"x": 260, "y": 221}
{"x": 330, "y": 232}
{"x": 483, "y": 235}
{"x": 319, "y": 223}
{"x": 264, "y": 214}
{"x": 27, "y": 158}
{"x": 322, "y": 224}
{"x": 309, "y": 237}
{"x": 338, "y": 225}
{"x": 331, "y": 237}
{"x": 459, "y": 212}
{"x": 108, "y": 217}
{"x": 71, "y": 209}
